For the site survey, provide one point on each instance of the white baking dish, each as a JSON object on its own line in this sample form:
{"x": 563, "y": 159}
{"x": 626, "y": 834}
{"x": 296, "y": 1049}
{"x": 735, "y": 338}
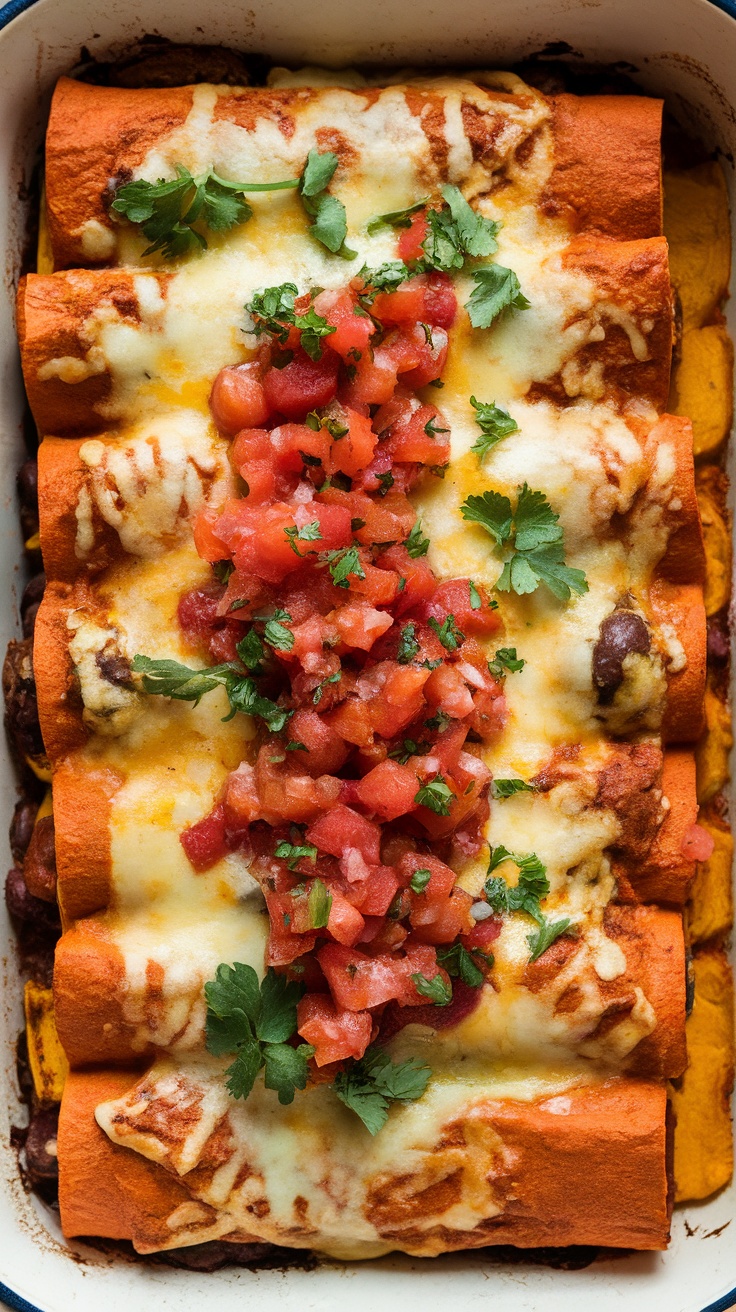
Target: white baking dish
{"x": 683, "y": 48}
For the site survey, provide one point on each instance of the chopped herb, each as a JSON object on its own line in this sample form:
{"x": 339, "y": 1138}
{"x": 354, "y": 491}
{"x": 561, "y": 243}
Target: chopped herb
{"x": 439, "y": 721}
{"x": 436, "y": 989}
{"x": 272, "y": 311}
{"x": 255, "y": 1023}
{"x": 541, "y": 939}
{"x": 170, "y": 679}
{"x": 408, "y": 749}
{"x": 276, "y": 634}
{"x": 408, "y": 645}
{"x": 475, "y": 597}
{"x": 539, "y": 549}
{"x": 459, "y": 963}
{"x": 416, "y": 544}
{"x": 396, "y": 218}
{"x": 329, "y": 222}
{"x": 331, "y": 678}
{"x": 167, "y": 211}
{"x": 448, "y": 633}
{"x": 251, "y": 652}
{"x": 419, "y": 880}
{"x": 370, "y": 1085}
{"x": 386, "y": 480}
{"x": 294, "y": 745}
{"x": 431, "y": 428}
{"x": 436, "y": 795}
{"x": 292, "y": 854}
{"x": 527, "y": 894}
{"x": 222, "y": 570}
{"x": 494, "y": 424}
{"x": 344, "y": 562}
{"x": 311, "y": 462}
{"x": 386, "y": 278}
{"x": 319, "y": 903}
{"x": 505, "y": 659}
{"x": 308, "y": 533}
{"x": 496, "y": 289}
{"x": 508, "y": 787}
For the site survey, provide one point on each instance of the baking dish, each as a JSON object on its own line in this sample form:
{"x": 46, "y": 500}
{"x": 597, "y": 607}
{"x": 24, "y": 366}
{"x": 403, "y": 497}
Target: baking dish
{"x": 54, "y": 1281}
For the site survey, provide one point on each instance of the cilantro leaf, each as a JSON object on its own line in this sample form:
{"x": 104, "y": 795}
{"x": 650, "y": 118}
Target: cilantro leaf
{"x": 415, "y": 544}
{"x": 524, "y": 573}
{"x": 436, "y": 989}
{"x": 508, "y": 787}
{"x": 386, "y": 278}
{"x": 408, "y": 749}
{"x": 419, "y": 880}
{"x": 331, "y": 678}
{"x": 250, "y": 650}
{"x": 292, "y": 854}
{"x": 458, "y": 962}
{"x": 505, "y": 659}
{"x": 532, "y": 884}
{"x": 167, "y": 211}
{"x": 545, "y": 936}
{"x": 448, "y": 632}
{"x": 369, "y": 1085}
{"x": 276, "y": 633}
{"x": 496, "y": 289}
{"x": 536, "y": 524}
{"x": 475, "y": 235}
{"x": 408, "y": 645}
{"x": 344, "y": 562}
{"x": 170, "y": 679}
{"x": 307, "y": 533}
{"x": 396, "y": 218}
{"x": 286, "y": 1069}
{"x": 494, "y": 424}
{"x": 272, "y": 312}
{"x": 254, "y": 1022}
{"x": 492, "y": 511}
{"x": 436, "y": 795}
{"x": 329, "y": 222}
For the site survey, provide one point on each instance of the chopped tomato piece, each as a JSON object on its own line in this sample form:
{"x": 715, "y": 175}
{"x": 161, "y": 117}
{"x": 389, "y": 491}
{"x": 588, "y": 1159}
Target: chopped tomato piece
{"x": 272, "y": 541}
{"x": 294, "y": 445}
{"x": 205, "y": 842}
{"x": 303, "y": 384}
{"x": 322, "y": 751}
{"x": 209, "y": 545}
{"x": 414, "y": 432}
{"x": 446, "y": 690}
{"x": 442, "y": 921}
{"x": 352, "y": 721}
{"x": 238, "y": 399}
{"x": 358, "y": 982}
{"x": 375, "y": 895}
{"x": 411, "y": 238}
{"x": 341, "y": 829}
{"x": 336, "y": 1034}
{"x": 345, "y": 923}
{"x": 285, "y": 794}
{"x": 241, "y": 798}
{"x": 470, "y": 607}
{"x": 419, "y": 580}
{"x": 441, "y": 881}
{"x": 370, "y": 381}
{"x": 440, "y": 301}
{"x": 388, "y": 790}
{"x": 360, "y": 626}
{"x": 483, "y": 934}
{"x": 353, "y": 327}
{"x": 353, "y": 450}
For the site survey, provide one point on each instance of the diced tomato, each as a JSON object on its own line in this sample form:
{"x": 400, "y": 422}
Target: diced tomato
{"x": 357, "y": 981}
{"x": 472, "y": 609}
{"x": 335, "y": 1034}
{"x": 404, "y": 305}
{"x": 242, "y": 802}
{"x": 441, "y": 881}
{"x": 345, "y": 923}
{"x": 375, "y": 895}
{"x": 205, "y": 842}
{"x": 352, "y": 721}
{"x": 285, "y": 794}
{"x": 352, "y": 452}
{"x": 291, "y": 442}
{"x": 252, "y": 456}
{"x": 282, "y": 949}
{"x": 446, "y": 690}
{"x": 388, "y": 790}
{"x": 342, "y": 828}
{"x": 483, "y": 934}
{"x": 353, "y": 327}
{"x": 198, "y": 611}
{"x": 415, "y": 432}
{"x": 443, "y": 921}
{"x": 370, "y": 381}
{"x": 395, "y": 693}
{"x": 303, "y": 384}
{"x": 697, "y": 844}
{"x": 440, "y": 301}
{"x": 360, "y": 626}
{"x": 430, "y": 345}
{"x": 265, "y": 539}
{"x": 420, "y": 582}
{"x": 325, "y": 752}
{"x": 411, "y": 238}
{"x": 238, "y": 399}
{"x": 208, "y": 544}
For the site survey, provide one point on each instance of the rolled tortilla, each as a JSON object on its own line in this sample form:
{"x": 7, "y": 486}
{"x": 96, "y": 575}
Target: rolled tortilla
{"x": 659, "y": 872}
{"x": 588, "y": 1166}
{"x": 680, "y": 613}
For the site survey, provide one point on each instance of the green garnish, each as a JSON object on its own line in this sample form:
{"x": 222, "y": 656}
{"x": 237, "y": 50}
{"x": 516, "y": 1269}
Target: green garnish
{"x": 509, "y": 787}
{"x": 496, "y": 289}
{"x": 344, "y": 562}
{"x": 494, "y": 424}
{"x": 308, "y": 533}
{"x": 408, "y": 645}
{"x": 329, "y": 221}
{"x": 448, "y": 633}
{"x": 436, "y": 795}
{"x": 538, "y": 542}
{"x": 272, "y": 312}
{"x": 416, "y": 544}
{"x": 370, "y": 1085}
{"x": 292, "y": 854}
{"x": 170, "y": 679}
{"x": 505, "y": 660}
{"x": 435, "y": 989}
{"x": 254, "y": 1022}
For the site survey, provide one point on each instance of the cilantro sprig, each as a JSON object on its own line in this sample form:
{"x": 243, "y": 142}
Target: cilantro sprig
{"x": 416, "y": 544}
{"x": 166, "y": 212}
{"x": 369, "y": 1086}
{"x": 254, "y": 1022}
{"x": 494, "y": 424}
{"x": 459, "y": 963}
{"x": 509, "y": 787}
{"x": 344, "y": 562}
{"x": 329, "y": 224}
{"x": 526, "y": 895}
{"x": 505, "y": 661}
{"x": 534, "y": 531}
{"x": 272, "y": 311}
{"x": 171, "y": 679}
{"x": 436, "y": 989}
{"x": 436, "y": 795}
{"x": 496, "y": 289}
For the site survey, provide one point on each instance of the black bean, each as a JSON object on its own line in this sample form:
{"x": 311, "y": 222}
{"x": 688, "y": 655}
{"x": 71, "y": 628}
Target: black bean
{"x": 21, "y": 707}
{"x": 719, "y": 639}
{"x": 621, "y": 632}
{"x": 28, "y": 484}
{"x": 39, "y": 867}
{"x": 41, "y": 1159}
{"x": 26, "y": 908}
{"x": 21, "y": 828}
{"x": 217, "y": 1253}
{"x": 30, "y": 602}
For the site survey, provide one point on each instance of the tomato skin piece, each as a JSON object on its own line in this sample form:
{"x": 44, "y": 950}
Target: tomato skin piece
{"x": 326, "y": 752}
{"x": 345, "y": 923}
{"x": 354, "y": 328}
{"x": 388, "y": 790}
{"x": 335, "y": 1034}
{"x": 252, "y": 456}
{"x": 209, "y": 546}
{"x": 238, "y": 399}
{"x": 302, "y": 385}
{"x": 483, "y": 934}
{"x": 205, "y": 842}
{"x": 342, "y": 828}
{"x": 411, "y": 238}
{"x": 453, "y": 597}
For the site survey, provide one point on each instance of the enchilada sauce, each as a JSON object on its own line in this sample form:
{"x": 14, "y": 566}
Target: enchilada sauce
{"x": 356, "y": 810}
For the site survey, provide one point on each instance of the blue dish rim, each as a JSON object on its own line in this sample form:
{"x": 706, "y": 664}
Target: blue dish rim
{"x": 12, "y": 1300}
